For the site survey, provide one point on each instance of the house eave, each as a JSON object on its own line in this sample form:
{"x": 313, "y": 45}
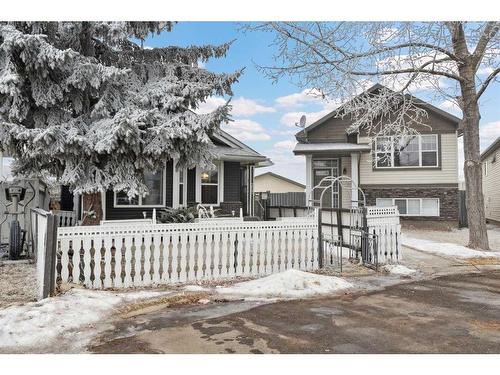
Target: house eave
{"x": 490, "y": 149}
{"x": 310, "y": 148}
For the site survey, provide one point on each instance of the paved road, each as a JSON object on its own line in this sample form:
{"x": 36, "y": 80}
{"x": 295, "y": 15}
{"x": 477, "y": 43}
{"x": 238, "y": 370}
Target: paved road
{"x": 450, "y": 314}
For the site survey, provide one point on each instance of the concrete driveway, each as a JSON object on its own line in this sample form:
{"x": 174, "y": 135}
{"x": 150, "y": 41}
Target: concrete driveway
{"x": 457, "y": 313}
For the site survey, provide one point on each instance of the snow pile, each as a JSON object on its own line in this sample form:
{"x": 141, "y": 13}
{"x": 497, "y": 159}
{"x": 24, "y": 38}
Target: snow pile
{"x": 39, "y": 324}
{"x": 288, "y": 284}
{"x": 398, "y": 269}
{"x": 446, "y": 249}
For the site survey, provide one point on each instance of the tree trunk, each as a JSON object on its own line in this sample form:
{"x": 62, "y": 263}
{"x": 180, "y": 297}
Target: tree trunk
{"x": 92, "y": 209}
{"x": 478, "y": 235}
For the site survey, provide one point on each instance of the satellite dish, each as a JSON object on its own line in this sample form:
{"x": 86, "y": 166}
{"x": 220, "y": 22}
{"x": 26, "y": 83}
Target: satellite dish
{"x": 302, "y": 122}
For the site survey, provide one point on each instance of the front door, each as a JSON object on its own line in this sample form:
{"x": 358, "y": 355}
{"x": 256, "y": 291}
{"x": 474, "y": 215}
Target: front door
{"x": 321, "y": 169}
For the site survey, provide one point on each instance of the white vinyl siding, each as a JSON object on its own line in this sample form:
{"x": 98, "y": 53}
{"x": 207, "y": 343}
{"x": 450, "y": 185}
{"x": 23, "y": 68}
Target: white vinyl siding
{"x": 447, "y": 173}
{"x": 412, "y": 206}
{"x": 491, "y": 183}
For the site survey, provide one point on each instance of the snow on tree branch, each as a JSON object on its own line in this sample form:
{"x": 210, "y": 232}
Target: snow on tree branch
{"x": 82, "y": 102}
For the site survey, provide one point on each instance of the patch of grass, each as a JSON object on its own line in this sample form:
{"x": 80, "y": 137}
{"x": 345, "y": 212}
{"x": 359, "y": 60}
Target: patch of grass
{"x": 149, "y": 305}
{"x": 483, "y": 261}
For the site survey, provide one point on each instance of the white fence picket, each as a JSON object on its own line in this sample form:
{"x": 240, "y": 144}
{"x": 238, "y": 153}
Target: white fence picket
{"x": 108, "y": 244}
{"x": 147, "y": 260}
{"x": 75, "y": 247}
{"x": 118, "y": 245}
{"x": 137, "y": 246}
{"x": 123, "y": 256}
{"x": 127, "y": 243}
{"x": 64, "y": 265}
{"x": 87, "y": 246}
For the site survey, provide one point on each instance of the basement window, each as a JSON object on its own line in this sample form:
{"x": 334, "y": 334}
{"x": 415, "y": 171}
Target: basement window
{"x": 412, "y": 206}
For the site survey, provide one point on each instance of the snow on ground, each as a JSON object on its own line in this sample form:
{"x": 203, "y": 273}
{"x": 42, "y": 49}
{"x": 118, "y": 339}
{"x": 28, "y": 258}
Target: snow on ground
{"x": 399, "y": 269}
{"x": 287, "y": 284}
{"x": 454, "y": 236}
{"x": 446, "y": 249}
{"x": 65, "y": 317}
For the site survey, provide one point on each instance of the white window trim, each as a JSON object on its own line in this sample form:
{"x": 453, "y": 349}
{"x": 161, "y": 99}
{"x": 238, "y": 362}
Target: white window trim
{"x": 485, "y": 168}
{"x": 176, "y": 187}
{"x": 376, "y": 152}
{"x": 420, "y": 209}
{"x": 164, "y": 198}
{"x": 220, "y": 182}
{"x": 184, "y": 190}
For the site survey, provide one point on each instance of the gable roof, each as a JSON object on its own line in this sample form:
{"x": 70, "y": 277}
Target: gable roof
{"x": 280, "y": 177}
{"x": 374, "y": 89}
{"x": 231, "y": 148}
{"x": 490, "y": 149}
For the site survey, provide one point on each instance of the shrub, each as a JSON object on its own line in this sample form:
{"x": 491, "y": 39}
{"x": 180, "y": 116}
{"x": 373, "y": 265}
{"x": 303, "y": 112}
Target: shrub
{"x": 177, "y": 215}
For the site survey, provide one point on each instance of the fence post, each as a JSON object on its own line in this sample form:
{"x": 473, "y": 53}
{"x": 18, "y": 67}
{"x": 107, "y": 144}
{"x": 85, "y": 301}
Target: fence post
{"x": 340, "y": 229}
{"x": 50, "y": 258}
{"x": 320, "y": 240}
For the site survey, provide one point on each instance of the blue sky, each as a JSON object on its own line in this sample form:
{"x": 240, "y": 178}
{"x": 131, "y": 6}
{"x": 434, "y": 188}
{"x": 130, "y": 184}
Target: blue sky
{"x": 265, "y": 112}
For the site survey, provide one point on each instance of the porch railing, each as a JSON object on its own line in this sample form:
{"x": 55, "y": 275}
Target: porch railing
{"x": 65, "y": 218}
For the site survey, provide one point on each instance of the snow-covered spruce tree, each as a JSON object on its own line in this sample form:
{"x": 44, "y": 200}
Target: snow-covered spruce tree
{"x": 83, "y": 103}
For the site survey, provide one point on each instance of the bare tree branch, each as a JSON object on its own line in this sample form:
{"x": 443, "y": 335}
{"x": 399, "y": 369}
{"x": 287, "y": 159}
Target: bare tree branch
{"x": 489, "y": 32}
{"x": 486, "y": 82}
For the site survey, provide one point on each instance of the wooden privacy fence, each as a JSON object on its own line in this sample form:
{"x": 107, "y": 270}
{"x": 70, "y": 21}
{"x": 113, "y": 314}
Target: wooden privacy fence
{"x": 291, "y": 199}
{"x": 275, "y": 212}
{"x": 139, "y": 255}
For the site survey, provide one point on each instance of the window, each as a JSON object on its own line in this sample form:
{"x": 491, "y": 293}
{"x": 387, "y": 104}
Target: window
{"x": 401, "y": 204}
{"x": 322, "y": 169}
{"x": 156, "y": 197}
{"x": 384, "y": 152}
{"x": 485, "y": 168}
{"x": 384, "y": 202}
{"x": 407, "y": 152}
{"x": 6, "y": 168}
{"x": 210, "y": 187}
{"x": 412, "y": 206}
{"x": 429, "y": 150}
{"x": 430, "y": 207}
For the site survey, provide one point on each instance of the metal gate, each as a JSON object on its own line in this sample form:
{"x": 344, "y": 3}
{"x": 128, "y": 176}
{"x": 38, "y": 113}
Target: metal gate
{"x": 342, "y": 229}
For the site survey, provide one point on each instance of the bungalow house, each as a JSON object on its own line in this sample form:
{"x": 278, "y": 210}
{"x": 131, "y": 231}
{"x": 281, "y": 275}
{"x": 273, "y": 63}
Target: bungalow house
{"x": 228, "y": 187}
{"x": 490, "y": 159}
{"x": 275, "y": 183}
{"x": 420, "y": 178}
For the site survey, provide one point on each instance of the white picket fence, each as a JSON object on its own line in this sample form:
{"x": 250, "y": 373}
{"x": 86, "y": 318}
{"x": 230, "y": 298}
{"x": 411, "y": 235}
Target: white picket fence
{"x": 122, "y": 256}
{"x": 384, "y": 222}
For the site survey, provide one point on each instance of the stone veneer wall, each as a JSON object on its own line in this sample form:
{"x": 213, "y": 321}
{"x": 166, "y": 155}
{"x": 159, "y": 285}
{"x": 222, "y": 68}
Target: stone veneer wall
{"x": 448, "y": 199}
